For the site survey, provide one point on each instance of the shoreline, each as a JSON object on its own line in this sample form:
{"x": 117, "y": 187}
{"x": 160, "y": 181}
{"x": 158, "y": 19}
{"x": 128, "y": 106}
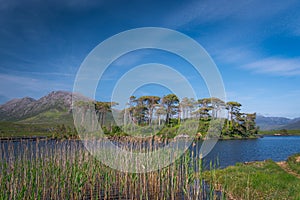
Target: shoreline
{"x": 280, "y": 135}
{"x": 38, "y": 137}
{"x": 17, "y": 138}
{"x": 122, "y": 137}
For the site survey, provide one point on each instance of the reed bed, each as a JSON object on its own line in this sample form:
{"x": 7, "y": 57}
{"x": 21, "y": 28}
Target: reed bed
{"x": 64, "y": 169}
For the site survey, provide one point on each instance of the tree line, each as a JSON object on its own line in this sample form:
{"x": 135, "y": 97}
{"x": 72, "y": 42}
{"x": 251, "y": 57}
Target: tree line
{"x": 169, "y": 111}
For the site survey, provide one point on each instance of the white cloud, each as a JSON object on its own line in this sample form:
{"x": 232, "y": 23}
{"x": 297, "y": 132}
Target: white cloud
{"x": 275, "y": 66}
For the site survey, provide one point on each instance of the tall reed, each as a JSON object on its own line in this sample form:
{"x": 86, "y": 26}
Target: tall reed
{"x": 64, "y": 169}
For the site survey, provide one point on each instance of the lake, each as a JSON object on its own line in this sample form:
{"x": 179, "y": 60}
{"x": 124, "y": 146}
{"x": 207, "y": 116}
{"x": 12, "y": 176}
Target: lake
{"x": 227, "y": 152}
{"x": 277, "y": 148}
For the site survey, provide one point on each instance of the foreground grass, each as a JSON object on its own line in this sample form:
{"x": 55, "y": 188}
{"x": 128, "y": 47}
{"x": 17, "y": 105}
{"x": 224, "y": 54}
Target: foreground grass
{"x": 294, "y": 163}
{"x": 53, "y": 169}
{"x": 257, "y": 180}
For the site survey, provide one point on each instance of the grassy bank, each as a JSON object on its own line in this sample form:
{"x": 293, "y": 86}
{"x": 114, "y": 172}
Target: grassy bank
{"x": 280, "y": 132}
{"x": 238, "y": 137}
{"x": 257, "y": 180}
{"x": 293, "y": 163}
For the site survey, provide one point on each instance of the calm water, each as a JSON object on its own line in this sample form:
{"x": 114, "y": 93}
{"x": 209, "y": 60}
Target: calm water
{"x": 227, "y": 152}
{"x": 277, "y": 148}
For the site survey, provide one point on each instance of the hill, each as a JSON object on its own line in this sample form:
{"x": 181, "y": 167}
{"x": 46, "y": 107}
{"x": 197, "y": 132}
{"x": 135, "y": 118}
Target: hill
{"x": 270, "y": 123}
{"x": 28, "y": 116}
{"x": 52, "y": 116}
{"x": 295, "y": 125}
{"x": 19, "y": 109}
{"x": 276, "y": 123}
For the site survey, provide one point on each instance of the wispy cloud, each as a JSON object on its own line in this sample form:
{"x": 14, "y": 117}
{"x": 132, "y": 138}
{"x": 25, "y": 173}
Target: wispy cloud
{"x": 210, "y": 11}
{"x": 239, "y": 31}
{"x": 234, "y": 54}
{"x": 203, "y": 12}
{"x": 40, "y": 74}
{"x": 24, "y": 86}
{"x": 251, "y": 60}
{"x": 275, "y": 66}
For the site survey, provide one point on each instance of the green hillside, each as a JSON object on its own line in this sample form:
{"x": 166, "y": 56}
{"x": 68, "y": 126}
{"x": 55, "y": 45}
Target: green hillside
{"x": 52, "y": 116}
{"x": 47, "y": 123}
{"x": 15, "y": 129}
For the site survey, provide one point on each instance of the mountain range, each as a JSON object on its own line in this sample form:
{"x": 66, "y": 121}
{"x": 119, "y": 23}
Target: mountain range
{"x": 56, "y": 108}
{"x": 276, "y": 123}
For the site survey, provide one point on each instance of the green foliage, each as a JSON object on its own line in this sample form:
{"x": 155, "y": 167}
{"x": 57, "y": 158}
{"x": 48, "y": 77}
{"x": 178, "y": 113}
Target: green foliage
{"x": 241, "y": 124}
{"x": 173, "y": 122}
{"x": 141, "y": 111}
{"x": 116, "y": 130}
{"x": 171, "y": 103}
{"x": 169, "y": 132}
{"x": 62, "y": 131}
{"x": 203, "y": 126}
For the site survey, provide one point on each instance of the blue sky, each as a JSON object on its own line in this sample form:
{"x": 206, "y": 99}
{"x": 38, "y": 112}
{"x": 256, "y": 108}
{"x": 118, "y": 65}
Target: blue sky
{"x": 255, "y": 44}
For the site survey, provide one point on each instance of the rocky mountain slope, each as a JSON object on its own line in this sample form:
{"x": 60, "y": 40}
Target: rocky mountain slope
{"x": 18, "y": 109}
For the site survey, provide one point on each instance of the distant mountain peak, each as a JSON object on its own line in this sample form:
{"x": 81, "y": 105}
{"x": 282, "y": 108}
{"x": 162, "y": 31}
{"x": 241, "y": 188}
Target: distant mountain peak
{"x": 17, "y": 109}
{"x": 18, "y": 100}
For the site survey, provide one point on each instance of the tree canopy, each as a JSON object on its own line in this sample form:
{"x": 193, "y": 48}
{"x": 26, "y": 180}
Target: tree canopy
{"x": 170, "y": 111}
